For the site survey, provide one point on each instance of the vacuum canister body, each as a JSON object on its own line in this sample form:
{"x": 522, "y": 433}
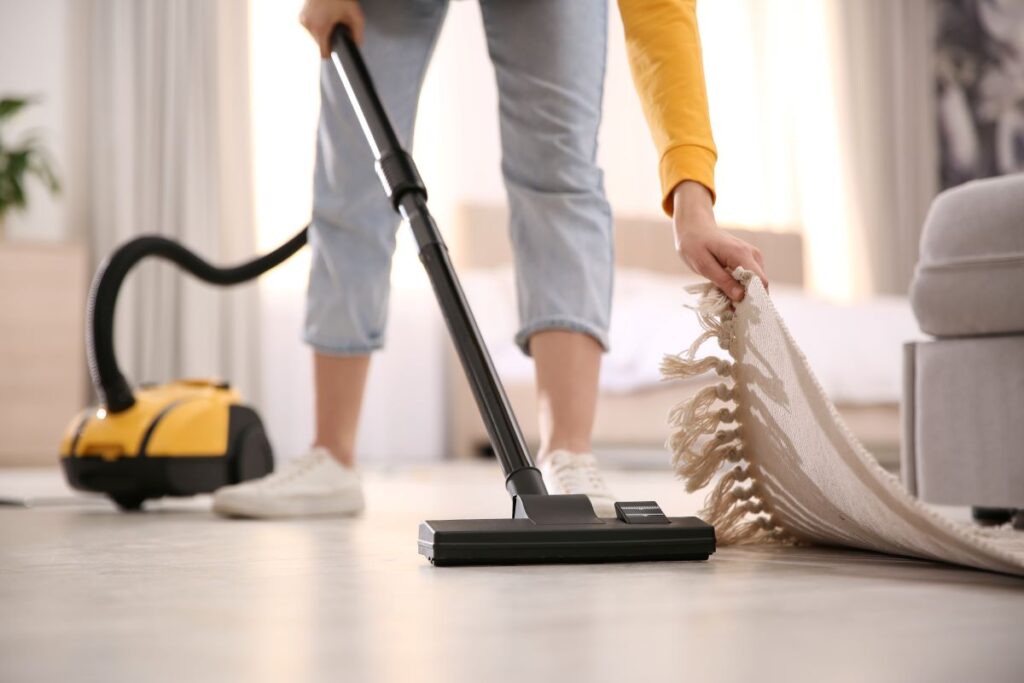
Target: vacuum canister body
{"x": 178, "y": 439}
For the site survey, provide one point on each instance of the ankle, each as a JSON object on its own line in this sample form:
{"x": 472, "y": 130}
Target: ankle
{"x": 344, "y": 456}
{"x": 578, "y": 447}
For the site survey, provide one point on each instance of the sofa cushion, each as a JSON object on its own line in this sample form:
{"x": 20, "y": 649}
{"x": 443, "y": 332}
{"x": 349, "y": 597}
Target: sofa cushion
{"x": 971, "y": 272}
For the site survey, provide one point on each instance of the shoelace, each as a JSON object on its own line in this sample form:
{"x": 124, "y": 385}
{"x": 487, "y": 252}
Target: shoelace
{"x": 298, "y": 466}
{"x": 579, "y": 474}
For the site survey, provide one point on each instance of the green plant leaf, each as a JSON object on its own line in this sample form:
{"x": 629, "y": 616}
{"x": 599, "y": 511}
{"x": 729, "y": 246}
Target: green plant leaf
{"x": 6, "y": 192}
{"x": 9, "y": 106}
{"x": 17, "y": 194}
{"x": 17, "y": 162}
{"x": 40, "y": 167}
{"x": 29, "y": 158}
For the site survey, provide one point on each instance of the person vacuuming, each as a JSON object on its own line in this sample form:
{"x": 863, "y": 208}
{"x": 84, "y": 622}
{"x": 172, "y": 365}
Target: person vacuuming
{"x": 549, "y": 58}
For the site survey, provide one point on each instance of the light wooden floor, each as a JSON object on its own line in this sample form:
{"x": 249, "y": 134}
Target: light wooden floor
{"x": 89, "y": 594}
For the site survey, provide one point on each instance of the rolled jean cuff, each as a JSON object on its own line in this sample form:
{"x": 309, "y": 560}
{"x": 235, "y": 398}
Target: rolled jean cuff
{"x": 343, "y": 350}
{"x": 599, "y": 334}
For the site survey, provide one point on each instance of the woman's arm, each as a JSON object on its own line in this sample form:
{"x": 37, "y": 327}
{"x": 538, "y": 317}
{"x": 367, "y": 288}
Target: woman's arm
{"x": 663, "y": 45}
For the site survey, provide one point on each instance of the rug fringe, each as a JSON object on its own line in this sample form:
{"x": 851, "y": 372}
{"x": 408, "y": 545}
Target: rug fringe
{"x": 700, "y": 449}
{"x": 680, "y": 367}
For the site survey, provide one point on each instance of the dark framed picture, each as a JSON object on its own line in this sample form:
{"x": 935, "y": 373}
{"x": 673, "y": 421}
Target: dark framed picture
{"x": 980, "y": 88}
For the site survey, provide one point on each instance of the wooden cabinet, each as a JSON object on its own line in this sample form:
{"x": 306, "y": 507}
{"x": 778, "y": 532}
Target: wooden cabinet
{"x": 43, "y": 373}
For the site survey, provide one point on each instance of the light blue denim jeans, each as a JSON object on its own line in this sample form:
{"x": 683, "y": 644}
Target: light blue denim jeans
{"x": 549, "y": 60}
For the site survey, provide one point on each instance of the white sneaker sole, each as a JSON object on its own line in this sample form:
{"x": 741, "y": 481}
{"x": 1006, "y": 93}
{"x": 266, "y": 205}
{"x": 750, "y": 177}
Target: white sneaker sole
{"x": 346, "y": 504}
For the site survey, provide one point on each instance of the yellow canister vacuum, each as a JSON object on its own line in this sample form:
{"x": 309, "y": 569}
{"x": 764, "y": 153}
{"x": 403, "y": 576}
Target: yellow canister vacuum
{"x": 176, "y": 439}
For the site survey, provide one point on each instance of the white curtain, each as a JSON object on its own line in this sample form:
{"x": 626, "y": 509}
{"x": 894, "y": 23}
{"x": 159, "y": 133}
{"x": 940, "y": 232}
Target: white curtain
{"x": 886, "y": 95}
{"x": 169, "y": 154}
{"x": 822, "y": 111}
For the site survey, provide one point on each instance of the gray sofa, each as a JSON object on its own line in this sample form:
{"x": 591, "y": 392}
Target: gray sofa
{"x": 963, "y": 411}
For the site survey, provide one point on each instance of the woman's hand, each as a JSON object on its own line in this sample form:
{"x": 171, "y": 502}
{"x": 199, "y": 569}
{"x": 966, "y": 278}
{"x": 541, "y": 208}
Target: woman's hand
{"x": 706, "y": 248}
{"x": 319, "y": 17}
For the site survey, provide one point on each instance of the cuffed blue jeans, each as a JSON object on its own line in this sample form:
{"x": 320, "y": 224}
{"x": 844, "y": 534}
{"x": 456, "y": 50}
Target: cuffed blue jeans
{"x": 549, "y": 62}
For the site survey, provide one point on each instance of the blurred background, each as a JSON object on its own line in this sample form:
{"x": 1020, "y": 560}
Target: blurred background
{"x": 837, "y": 122}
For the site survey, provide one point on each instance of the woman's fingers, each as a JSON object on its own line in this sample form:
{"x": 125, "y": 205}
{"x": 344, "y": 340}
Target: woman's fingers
{"x": 709, "y": 266}
{"x": 756, "y": 266}
{"x": 319, "y": 17}
{"x": 738, "y": 254}
{"x": 760, "y": 270}
{"x": 356, "y": 23}
{"x": 706, "y": 248}
{"x": 359, "y": 23}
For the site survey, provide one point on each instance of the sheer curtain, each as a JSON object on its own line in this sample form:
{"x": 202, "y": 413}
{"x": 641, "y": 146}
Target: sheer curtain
{"x": 886, "y": 75}
{"x": 169, "y": 153}
{"x": 822, "y": 114}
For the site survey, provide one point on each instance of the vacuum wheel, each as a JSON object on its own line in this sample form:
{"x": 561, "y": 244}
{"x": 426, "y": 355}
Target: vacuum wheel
{"x": 991, "y": 516}
{"x": 254, "y": 457}
{"x": 128, "y": 502}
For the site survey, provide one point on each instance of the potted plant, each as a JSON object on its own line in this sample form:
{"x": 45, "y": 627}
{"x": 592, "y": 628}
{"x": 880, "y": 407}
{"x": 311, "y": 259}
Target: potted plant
{"x": 20, "y": 161}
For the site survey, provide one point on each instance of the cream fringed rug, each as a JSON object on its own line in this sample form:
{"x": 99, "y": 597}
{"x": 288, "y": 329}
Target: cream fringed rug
{"x": 796, "y": 473}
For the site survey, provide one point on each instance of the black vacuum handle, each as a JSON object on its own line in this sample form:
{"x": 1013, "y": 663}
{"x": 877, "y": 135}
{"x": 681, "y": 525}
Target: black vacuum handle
{"x": 405, "y": 189}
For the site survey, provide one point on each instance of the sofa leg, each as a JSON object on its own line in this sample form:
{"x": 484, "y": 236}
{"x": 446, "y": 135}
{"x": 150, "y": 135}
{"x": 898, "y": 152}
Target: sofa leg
{"x": 993, "y": 516}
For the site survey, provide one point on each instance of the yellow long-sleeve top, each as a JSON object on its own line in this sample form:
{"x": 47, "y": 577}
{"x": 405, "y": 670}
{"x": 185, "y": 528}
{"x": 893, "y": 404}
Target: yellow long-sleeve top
{"x": 663, "y": 45}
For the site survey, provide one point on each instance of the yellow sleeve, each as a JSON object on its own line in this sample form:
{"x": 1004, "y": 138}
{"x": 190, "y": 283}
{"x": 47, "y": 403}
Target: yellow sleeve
{"x": 663, "y": 45}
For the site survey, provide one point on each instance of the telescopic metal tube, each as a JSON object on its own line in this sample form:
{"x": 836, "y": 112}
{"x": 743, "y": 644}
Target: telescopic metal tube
{"x": 408, "y": 195}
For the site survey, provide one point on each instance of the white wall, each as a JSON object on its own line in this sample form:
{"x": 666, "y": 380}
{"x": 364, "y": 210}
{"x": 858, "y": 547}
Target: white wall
{"x": 41, "y": 50}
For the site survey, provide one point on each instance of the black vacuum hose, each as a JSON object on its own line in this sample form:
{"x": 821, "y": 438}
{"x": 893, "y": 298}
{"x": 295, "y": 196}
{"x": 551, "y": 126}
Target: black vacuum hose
{"x": 113, "y": 388}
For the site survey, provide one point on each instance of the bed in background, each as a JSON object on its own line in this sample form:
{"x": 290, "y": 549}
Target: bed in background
{"x": 648, "y": 321}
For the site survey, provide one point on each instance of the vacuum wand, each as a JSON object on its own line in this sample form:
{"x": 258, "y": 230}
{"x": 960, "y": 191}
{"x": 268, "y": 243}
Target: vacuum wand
{"x": 408, "y": 196}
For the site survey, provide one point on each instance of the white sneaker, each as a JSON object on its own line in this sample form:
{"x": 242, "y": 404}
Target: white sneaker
{"x": 312, "y": 484}
{"x": 567, "y": 472}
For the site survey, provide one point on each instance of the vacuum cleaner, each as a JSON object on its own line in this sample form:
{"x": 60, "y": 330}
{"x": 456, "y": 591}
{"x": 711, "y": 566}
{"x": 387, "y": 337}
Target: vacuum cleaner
{"x": 164, "y": 433}
{"x": 178, "y": 439}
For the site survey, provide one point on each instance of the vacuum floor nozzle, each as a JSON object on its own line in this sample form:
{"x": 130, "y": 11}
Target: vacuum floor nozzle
{"x": 564, "y": 529}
